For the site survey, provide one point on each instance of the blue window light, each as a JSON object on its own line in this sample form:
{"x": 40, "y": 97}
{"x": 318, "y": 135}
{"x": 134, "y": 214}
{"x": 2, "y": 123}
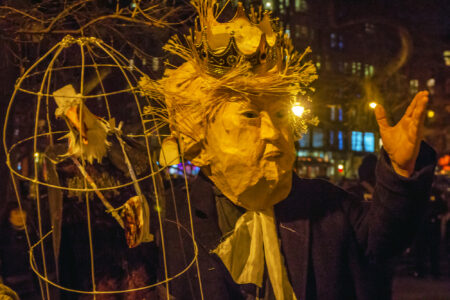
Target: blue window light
{"x": 369, "y": 142}
{"x": 304, "y": 141}
{"x": 340, "y": 140}
{"x": 357, "y": 138}
{"x": 317, "y": 138}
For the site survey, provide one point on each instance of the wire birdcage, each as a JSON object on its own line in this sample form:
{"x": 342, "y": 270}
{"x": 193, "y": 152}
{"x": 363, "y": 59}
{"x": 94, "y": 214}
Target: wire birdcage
{"x": 111, "y": 154}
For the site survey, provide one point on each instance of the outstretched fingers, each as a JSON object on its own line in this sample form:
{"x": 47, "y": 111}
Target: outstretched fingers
{"x": 380, "y": 115}
{"x": 419, "y": 114}
{"x": 419, "y": 111}
{"x": 412, "y": 106}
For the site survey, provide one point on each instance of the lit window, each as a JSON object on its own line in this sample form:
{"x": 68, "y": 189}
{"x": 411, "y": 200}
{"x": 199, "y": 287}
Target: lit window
{"x": 369, "y": 28}
{"x": 287, "y": 3}
{"x": 131, "y": 64}
{"x": 369, "y": 142}
{"x": 301, "y": 31}
{"x": 341, "y": 115}
{"x": 346, "y": 67}
{"x": 297, "y": 30}
{"x": 304, "y": 141}
{"x": 332, "y": 113}
{"x": 341, "y": 42}
{"x": 353, "y": 68}
{"x": 333, "y": 40}
{"x": 357, "y": 141}
{"x": 304, "y": 31}
{"x": 155, "y": 63}
{"x": 358, "y": 68}
{"x": 447, "y": 57}
{"x": 317, "y": 138}
{"x": 303, "y": 153}
{"x": 268, "y": 4}
{"x": 430, "y": 84}
{"x": 301, "y": 5}
{"x": 363, "y": 141}
{"x": 281, "y": 7}
{"x": 287, "y": 31}
{"x": 366, "y": 70}
{"x": 331, "y": 137}
{"x": 340, "y": 140}
{"x": 413, "y": 86}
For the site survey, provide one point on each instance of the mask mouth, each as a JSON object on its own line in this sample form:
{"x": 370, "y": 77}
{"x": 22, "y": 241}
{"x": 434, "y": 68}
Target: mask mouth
{"x": 273, "y": 154}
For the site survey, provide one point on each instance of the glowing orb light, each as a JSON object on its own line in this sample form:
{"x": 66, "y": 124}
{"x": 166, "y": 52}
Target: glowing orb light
{"x": 298, "y": 110}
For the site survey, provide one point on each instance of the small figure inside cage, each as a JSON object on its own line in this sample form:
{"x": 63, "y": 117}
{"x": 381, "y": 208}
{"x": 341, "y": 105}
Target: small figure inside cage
{"x": 96, "y": 191}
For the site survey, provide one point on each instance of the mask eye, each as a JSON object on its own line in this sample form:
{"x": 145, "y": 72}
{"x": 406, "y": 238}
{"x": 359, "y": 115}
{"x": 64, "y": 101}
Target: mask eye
{"x": 250, "y": 114}
{"x": 281, "y": 114}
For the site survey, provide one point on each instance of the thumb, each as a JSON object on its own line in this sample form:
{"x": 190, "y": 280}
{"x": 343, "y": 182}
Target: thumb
{"x": 380, "y": 115}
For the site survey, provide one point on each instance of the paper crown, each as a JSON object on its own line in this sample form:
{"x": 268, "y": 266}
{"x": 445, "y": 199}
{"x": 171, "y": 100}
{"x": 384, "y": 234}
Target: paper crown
{"x": 221, "y": 46}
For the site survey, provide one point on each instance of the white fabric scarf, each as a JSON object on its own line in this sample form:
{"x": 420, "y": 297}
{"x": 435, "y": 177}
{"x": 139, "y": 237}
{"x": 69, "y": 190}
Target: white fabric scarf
{"x": 254, "y": 242}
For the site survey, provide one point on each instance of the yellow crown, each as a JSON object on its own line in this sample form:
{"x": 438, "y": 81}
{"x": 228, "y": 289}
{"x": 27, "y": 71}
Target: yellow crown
{"x": 221, "y": 46}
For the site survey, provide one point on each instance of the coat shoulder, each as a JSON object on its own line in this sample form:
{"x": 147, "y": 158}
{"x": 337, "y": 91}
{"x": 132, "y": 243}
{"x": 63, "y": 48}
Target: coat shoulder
{"x": 311, "y": 198}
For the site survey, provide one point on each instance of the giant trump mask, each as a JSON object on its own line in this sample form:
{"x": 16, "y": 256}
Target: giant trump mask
{"x": 229, "y": 107}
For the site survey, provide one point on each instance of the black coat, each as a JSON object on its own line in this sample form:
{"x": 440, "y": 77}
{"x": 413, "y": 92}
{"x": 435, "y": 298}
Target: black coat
{"x": 334, "y": 247}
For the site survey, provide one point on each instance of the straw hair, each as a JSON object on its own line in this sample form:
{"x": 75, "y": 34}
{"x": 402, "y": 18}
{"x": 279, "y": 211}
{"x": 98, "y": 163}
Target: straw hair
{"x": 192, "y": 96}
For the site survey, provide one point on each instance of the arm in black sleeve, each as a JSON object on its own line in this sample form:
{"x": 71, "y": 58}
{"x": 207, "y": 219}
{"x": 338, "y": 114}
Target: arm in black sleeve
{"x": 389, "y": 225}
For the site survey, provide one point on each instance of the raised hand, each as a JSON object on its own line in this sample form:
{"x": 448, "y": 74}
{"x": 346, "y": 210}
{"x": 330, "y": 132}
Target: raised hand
{"x": 402, "y": 141}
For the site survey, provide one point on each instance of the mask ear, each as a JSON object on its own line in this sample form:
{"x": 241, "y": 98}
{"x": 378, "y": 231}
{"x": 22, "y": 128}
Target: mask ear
{"x": 190, "y": 148}
{"x": 169, "y": 154}
{"x": 202, "y": 160}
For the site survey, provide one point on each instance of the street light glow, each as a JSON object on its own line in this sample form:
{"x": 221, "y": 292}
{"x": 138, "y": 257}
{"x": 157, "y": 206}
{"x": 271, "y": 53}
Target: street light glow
{"x": 298, "y": 110}
{"x": 373, "y": 105}
{"x": 430, "y": 114}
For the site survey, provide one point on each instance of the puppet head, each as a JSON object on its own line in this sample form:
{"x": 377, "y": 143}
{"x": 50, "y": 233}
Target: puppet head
{"x": 229, "y": 105}
{"x": 17, "y": 217}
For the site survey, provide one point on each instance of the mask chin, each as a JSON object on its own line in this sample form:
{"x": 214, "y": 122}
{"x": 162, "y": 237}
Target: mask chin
{"x": 264, "y": 194}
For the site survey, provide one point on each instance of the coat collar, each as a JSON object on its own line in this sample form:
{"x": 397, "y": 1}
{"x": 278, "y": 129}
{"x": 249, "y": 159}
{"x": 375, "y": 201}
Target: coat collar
{"x": 292, "y": 223}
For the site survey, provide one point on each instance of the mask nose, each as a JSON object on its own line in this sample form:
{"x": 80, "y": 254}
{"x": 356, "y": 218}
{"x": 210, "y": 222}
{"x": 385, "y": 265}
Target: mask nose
{"x": 269, "y": 131}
